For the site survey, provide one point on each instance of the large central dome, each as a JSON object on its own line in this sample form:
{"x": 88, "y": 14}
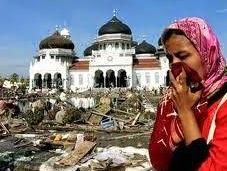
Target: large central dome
{"x": 56, "y": 40}
{"x": 114, "y": 26}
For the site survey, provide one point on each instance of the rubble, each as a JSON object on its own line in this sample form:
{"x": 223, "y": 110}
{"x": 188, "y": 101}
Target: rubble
{"x": 77, "y": 131}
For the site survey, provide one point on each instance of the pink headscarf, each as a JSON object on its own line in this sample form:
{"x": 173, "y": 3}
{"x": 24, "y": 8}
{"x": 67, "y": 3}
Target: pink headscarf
{"x": 207, "y": 44}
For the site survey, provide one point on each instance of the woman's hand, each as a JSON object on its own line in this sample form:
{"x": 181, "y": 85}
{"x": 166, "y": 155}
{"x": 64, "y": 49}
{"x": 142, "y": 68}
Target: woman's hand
{"x": 180, "y": 93}
{"x": 184, "y": 99}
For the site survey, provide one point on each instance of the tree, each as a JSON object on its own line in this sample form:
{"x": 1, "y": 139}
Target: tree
{"x": 24, "y": 83}
{"x": 1, "y": 81}
{"x": 14, "y": 78}
{"x": 22, "y": 80}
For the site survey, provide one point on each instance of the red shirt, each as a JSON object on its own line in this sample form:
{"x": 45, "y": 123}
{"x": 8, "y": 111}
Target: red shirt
{"x": 217, "y": 159}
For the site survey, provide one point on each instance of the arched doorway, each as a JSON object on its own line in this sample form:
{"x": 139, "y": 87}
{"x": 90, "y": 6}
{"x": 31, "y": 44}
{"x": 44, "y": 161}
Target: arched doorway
{"x": 57, "y": 80}
{"x": 110, "y": 79}
{"x": 38, "y": 80}
{"x": 99, "y": 79}
{"x": 122, "y": 78}
{"x": 47, "y": 80}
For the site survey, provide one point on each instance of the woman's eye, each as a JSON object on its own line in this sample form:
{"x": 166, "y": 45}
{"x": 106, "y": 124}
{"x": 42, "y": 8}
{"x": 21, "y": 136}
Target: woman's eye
{"x": 183, "y": 56}
{"x": 170, "y": 57}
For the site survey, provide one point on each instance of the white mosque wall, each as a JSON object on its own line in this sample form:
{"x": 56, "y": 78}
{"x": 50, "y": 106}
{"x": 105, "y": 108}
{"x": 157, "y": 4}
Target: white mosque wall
{"x": 51, "y": 61}
{"x": 148, "y": 78}
{"x": 80, "y": 80}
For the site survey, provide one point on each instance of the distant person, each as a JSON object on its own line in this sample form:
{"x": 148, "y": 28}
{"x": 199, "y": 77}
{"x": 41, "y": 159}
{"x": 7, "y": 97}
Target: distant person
{"x": 190, "y": 131}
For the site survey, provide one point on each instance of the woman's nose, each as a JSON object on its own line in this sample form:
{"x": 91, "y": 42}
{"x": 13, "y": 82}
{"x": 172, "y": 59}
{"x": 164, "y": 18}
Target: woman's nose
{"x": 175, "y": 59}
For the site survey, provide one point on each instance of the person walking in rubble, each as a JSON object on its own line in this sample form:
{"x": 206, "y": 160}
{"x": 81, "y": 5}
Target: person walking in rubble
{"x": 190, "y": 131}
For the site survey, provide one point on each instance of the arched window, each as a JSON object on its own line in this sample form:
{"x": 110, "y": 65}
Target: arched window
{"x": 80, "y": 79}
{"x": 123, "y": 45}
{"x": 148, "y": 77}
{"x": 128, "y": 46}
{"x": 71, "y": 79}
{"x": 138, "y": 78}
{"x": 156, "y": 77}
{"x": 104, "y": 46}
{"x": 116, "y": 45}
{"x": 88, "y": 79}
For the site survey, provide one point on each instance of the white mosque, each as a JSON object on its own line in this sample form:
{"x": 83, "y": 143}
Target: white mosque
{"x": 114, "y": 59}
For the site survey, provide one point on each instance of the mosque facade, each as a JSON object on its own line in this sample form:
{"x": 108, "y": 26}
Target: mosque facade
{"x": 113, "y": 60}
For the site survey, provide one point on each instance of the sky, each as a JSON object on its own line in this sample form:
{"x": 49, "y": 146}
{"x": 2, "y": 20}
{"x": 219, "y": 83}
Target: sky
{"x": 24, "y": 23}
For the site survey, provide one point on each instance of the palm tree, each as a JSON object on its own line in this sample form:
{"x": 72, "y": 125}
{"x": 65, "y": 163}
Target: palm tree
{"x": 14, "y": 78}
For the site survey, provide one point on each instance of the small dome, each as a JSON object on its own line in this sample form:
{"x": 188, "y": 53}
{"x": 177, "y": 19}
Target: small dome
{"x": 56, "y": 40}
{"x": 88, "y": 51}
{"x": 114, "y": 26}
{"x": 134, "y": 44}
{"x": 145, "y": 48}
{"x": 160, "y": 42}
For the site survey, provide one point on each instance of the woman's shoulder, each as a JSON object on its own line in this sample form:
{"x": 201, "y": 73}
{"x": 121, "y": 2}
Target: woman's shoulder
{"x": 218, "y": 95}
{"x": 222, "y": 109}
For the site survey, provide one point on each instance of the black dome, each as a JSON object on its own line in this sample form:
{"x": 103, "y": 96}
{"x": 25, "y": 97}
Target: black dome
{"x": 88, "y": 51}
{"x": 160, "y": 42}
{"x": 114, "y": 26}
{"x": 144, "y": 48}
{"x": 56, "y": 41}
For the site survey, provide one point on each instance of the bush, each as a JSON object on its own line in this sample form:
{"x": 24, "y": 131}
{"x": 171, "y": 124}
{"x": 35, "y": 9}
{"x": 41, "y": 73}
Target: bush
{"x": 72, "y": 114}
{"x": 34, "y": 118}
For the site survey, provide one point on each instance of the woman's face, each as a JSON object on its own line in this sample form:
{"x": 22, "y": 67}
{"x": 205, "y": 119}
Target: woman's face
{"x": 180, "y": 49}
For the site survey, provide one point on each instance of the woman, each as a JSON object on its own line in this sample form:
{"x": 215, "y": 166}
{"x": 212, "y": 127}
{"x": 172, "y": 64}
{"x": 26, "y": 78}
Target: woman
{"x": 190, "y": 132}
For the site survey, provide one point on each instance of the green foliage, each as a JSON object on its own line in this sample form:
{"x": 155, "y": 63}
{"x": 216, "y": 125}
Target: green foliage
{"x": 14, "y": 78}
{"x": 23, "y": 88}
{"x": 34, "y": 118}
{"x": 72, "y": 114}
{"x": 1, "y": 81}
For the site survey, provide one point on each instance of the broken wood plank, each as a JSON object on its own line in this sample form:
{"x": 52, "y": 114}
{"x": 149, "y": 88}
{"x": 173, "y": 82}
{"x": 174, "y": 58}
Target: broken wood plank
{"x": 4, "y": 128}
{"x": 136, "y": 119}
{"x": 77, "y": 154}
{"x": 104, "y": 109}
{"x": 125, "y": 136}
{"x": 119, "y": 119}
{"x": 95, "y": 119}
{"x": 121, "y": 111}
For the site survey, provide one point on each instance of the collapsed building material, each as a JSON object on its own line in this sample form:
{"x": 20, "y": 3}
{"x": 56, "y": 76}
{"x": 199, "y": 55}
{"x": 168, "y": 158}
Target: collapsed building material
{"x": 100, "y": 114}
{"x": 126, "y": 136}
{"x": 121, "y": 111}
{"x": 136, "y": 119}
{"x": 4, "y": 128}
{"x": 77, "y": 154}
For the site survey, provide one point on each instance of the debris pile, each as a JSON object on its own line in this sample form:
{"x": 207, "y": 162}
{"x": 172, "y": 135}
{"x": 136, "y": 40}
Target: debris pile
{"x": 93, "y": 130}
